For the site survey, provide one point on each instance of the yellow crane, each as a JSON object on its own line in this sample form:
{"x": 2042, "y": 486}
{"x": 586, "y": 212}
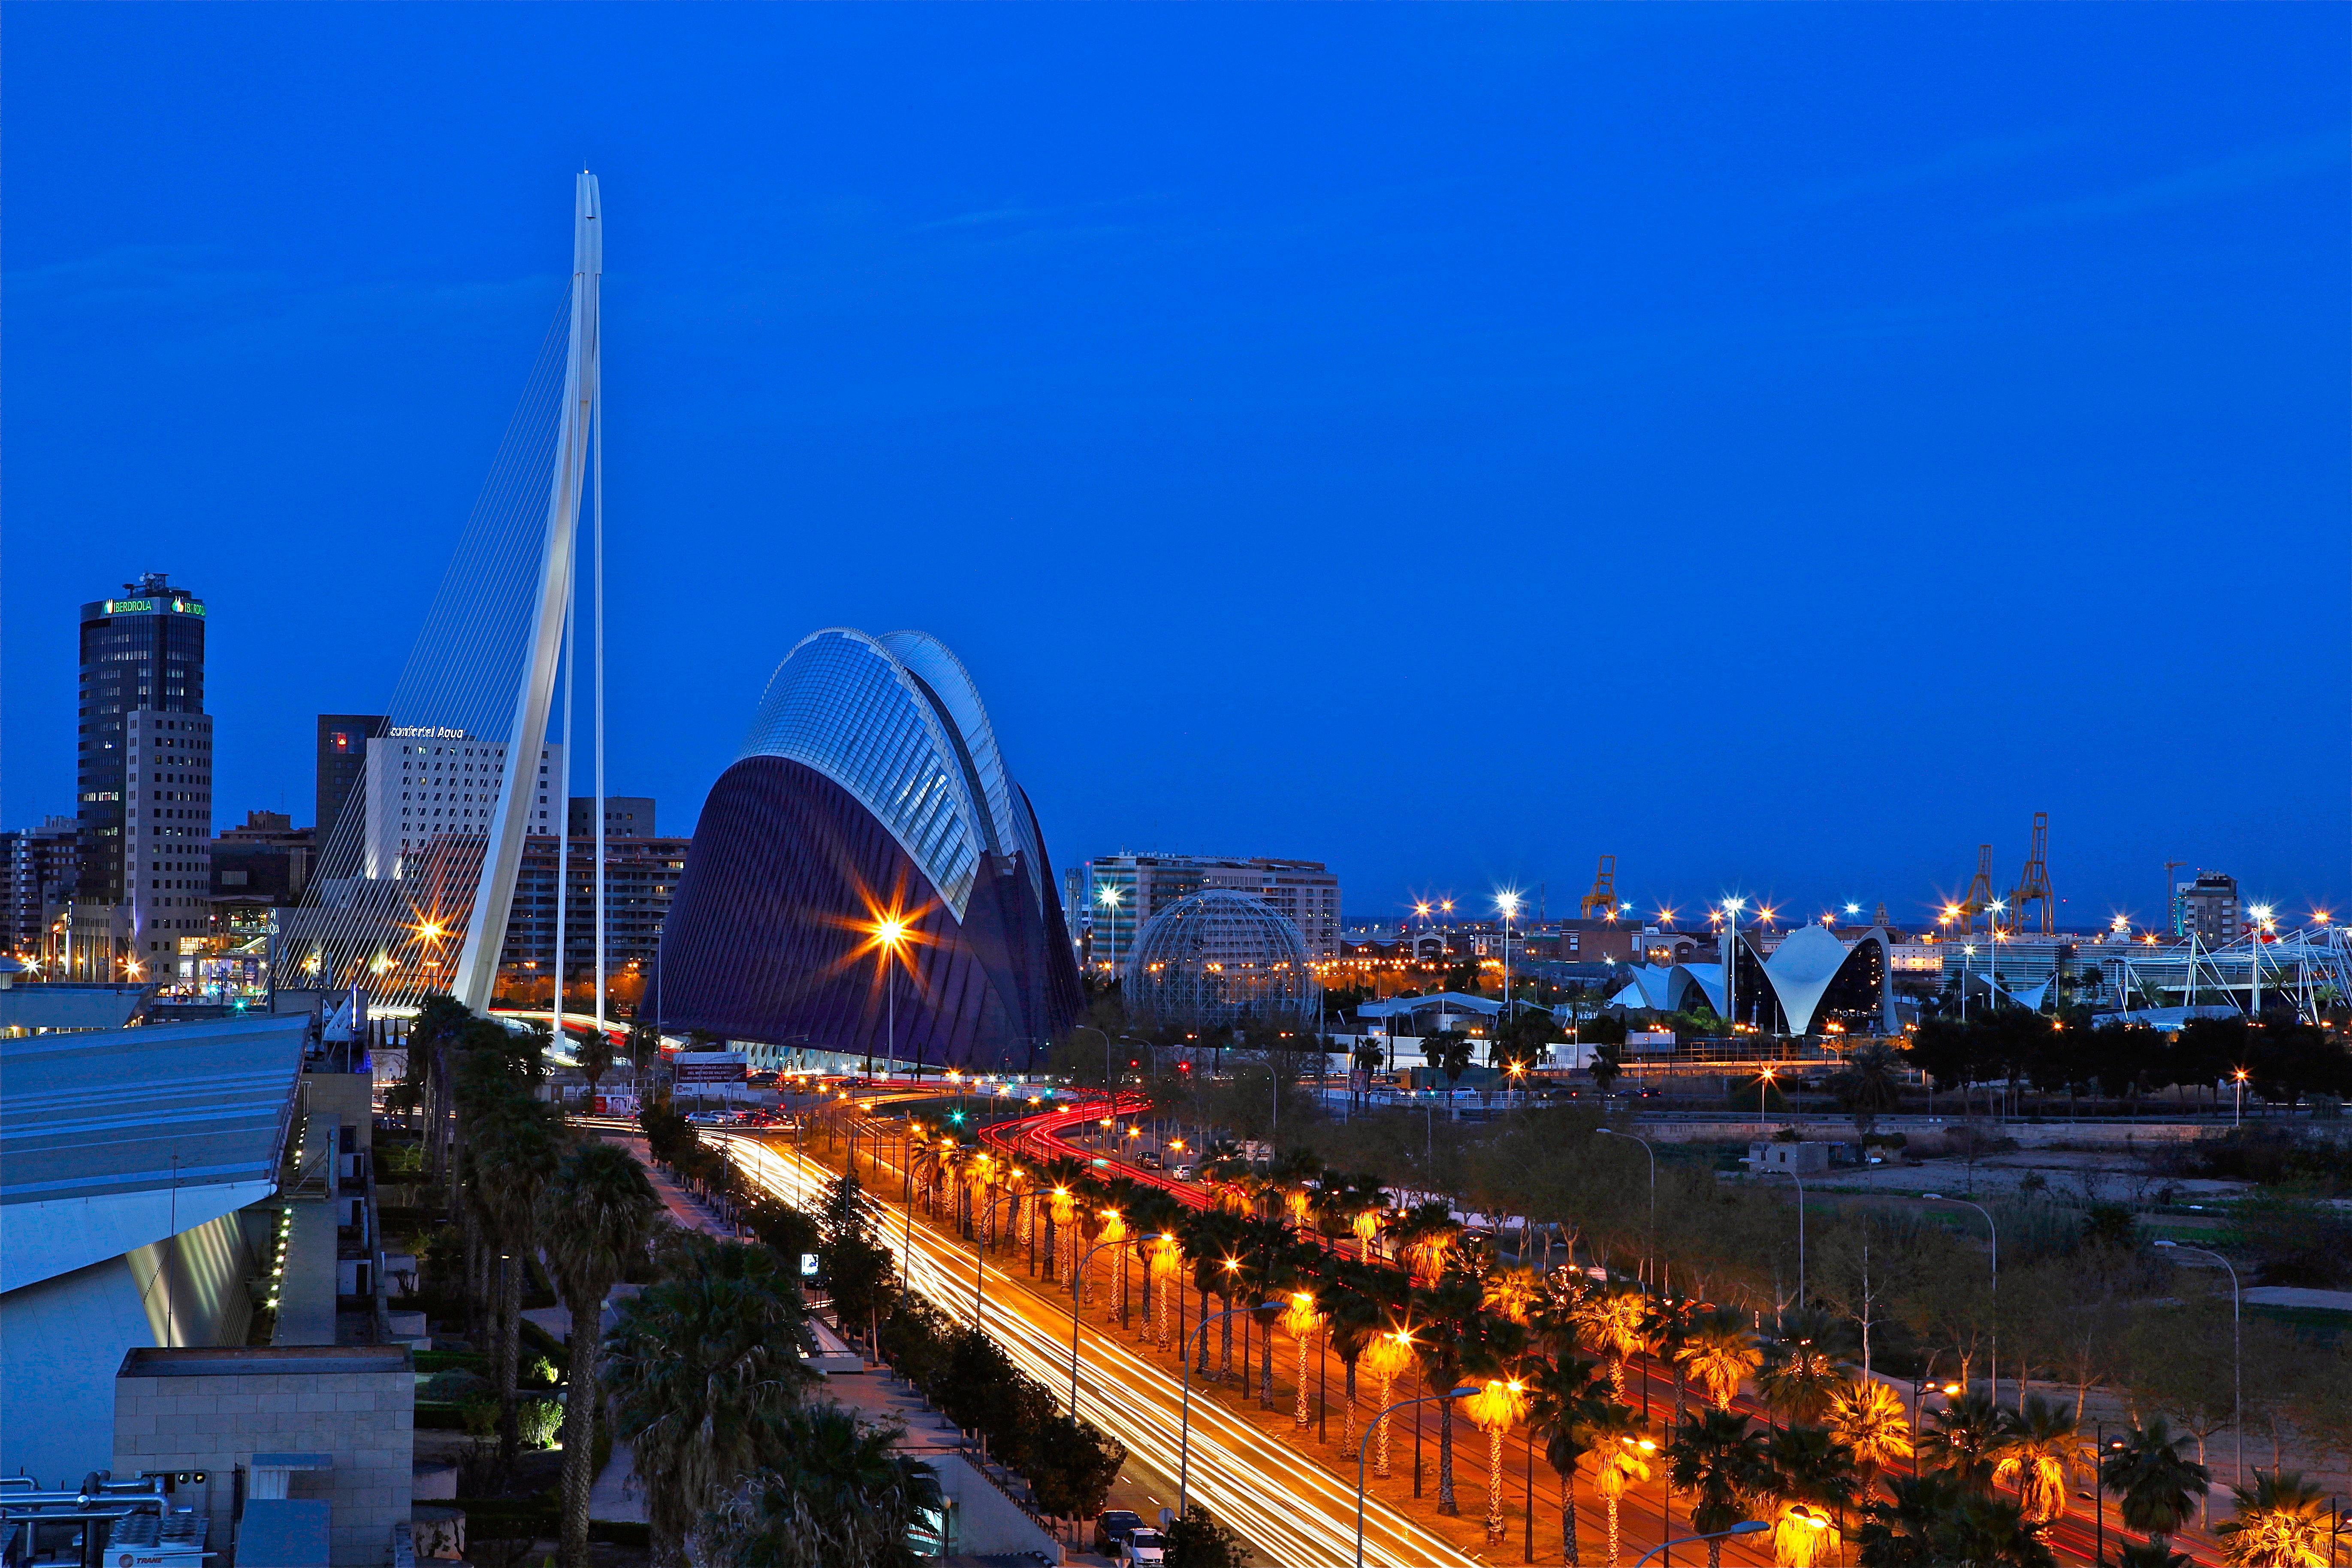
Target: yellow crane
{"x": 1602, "y": 900}
{"x": 1979, "y": 895}
{"x": 2033, "y": 883}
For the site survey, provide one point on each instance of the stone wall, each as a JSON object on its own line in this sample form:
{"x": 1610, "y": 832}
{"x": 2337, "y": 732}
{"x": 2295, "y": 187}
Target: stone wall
{"x": 213, "y": 1409}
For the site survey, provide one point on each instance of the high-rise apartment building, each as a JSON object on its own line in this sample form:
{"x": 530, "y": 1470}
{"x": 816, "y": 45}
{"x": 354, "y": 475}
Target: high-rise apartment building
{"x": 626, "y": 816}
{"x": 343, "y": 765}
{"x": 426, "y": 785}
{"x": 41, "y": 865}
{"x": 145, "y": 778}
{"x": 1124, "y": 891}
{"x": 640, "y": 880}
{"x": 2209, "y": 907}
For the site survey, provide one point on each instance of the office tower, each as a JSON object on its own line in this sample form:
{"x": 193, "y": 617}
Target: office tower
{"x": 145, "y": 778}
{"x": 41, "y": 865}
{"x": 427, "y": 788}
{"x": 626, "y": 816}
{"x": 343, "y": 765}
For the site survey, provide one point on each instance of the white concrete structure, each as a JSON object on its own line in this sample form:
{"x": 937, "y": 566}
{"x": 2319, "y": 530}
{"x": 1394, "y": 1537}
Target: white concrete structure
{"x": 130, "y": 1162}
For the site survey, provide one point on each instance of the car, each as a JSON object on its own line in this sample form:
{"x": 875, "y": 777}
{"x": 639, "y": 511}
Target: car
{"x": 1148, "y": 1160}
{"x": 1183, "y": 1173}
{"x": 705, "y": 1118}
{"x": 1113, "y": 1527}
{"x": 1144, "y": 1548}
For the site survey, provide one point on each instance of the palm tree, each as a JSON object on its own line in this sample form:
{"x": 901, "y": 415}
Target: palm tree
{"x": 2040, "y": 1454}
{"x": 1960, "y": 1440}
{"x": 1439, "y": 1345}
{"x": 1868, "y": 1418}
{"x": 1494, "y": 1409}
{"x": 1426, "y": 1237}
{"x": 1352, "y": 1316}
{"x": 1799, "y": 1380}
{"x": 514, "y": 1148}
{"x": 1300, "y": 1319}
{"x": 1933, "y": 1522}
{"x": 1718, "y": 1351}
{"x": 1616, "y": 1327}
{"x": 1211, "y": 1239}
{"x": 1390, "y": 1352}
{"x": 2156, "y": 1479}
{"x": 2283, "y": 1521}
{"x": 596, "y": 1216}
{"x": 1620, "y": 1461}
{"x": 1720, "y": 1460}
{"x": 835, "y": 1493}
{"x": 1565, "y": 1400}
{"x": 702, "y": 1365}
{"x": 1812, "y": 1485}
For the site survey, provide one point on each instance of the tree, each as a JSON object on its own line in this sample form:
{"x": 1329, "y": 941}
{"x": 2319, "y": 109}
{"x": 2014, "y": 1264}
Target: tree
{"x": 1439, "y": 1344}
{"x": 2282, "y": 1522}
{"x": 594, "y": 1053}
{"x": 1081, "y": 1461}
{"x": 1933, "y": 1522}
{"x": 1198, "y": 1541}
{"x": 1494, "y": 1409}
{"x": 1450, "y": 1054}
{"x": 2040, "y": 1454}
{"x": 514, "y": 1147}
{"x": 1811, "y": 1486}
{"x": 1868, "y": 1418}
{"x": 1720, "y": 1462}
{"x": 1961, "y": 1438}
{"x": 1870, "y": 1087}
{"x": 1614, "y": 1326}
{"x": 598, "y": 1212}
{"x": 1718, "y": 1351}
{"x": 833, "y": 1493}
{"x": 2157, "y": 1485}
{"x": 1620, "y": 1461}
{"x": 702, "y": 1365}
{"x": 1568, "y": 1402}
{"x": 1799, "y": 1379}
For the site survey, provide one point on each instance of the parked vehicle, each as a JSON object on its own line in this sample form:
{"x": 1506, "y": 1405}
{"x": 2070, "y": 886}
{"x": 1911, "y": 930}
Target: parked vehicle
{"x": 1113, "y": 1527}
{"x": 1143, "y": 1549}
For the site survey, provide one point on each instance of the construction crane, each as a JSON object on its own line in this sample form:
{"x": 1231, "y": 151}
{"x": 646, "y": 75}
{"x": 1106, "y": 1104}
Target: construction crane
{"x": 1980, "y": 894}
{"x": 2033, "y": 883}
{"x": 1602, "y": 900}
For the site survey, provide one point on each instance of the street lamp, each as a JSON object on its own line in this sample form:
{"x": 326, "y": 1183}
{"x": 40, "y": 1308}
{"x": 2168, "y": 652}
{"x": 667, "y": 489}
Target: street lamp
{"x": 2238, "y": 1113}
{"x": 2237, "y": 1360}
{"x": 1078, "y": 1295}
{"x": 1109, "y": 896}
{"x": 889, "y": 935}
{"x": 1199, "y": 1347}
{"x": 1649, "y": 1264}
{"x": 1745, "y": 1527}
{"x": 1940, "y": 1199}
{"x": 1364, "y": 1447}
{"x": 1764, "y": 1081}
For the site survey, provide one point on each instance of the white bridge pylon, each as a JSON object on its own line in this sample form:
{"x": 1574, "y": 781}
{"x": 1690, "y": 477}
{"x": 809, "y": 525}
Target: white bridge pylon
{"x": 582, "y": 414}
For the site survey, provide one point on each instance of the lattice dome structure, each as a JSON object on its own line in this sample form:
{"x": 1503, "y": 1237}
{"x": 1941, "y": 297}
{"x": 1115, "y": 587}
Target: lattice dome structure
{"x": 1221, "y": 957}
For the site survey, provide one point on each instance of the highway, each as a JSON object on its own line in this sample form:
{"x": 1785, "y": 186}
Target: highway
{"x": 1294, "y": 1508}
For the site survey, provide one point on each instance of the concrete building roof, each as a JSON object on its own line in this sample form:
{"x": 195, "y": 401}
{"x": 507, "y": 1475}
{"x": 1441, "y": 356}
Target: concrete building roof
{"x": 112, "y": 1141}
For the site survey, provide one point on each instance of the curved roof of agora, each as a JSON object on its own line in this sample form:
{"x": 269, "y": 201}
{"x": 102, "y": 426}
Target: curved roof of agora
{"x": 868, "y": 877}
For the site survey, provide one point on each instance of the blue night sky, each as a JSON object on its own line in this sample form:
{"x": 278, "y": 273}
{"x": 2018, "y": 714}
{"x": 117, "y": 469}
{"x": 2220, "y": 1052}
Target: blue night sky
{"x": 1782, "y": 446}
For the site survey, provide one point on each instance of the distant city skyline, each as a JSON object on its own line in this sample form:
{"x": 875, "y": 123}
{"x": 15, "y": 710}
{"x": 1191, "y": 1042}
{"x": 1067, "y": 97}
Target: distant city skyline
{"x": 1433, "y": 464}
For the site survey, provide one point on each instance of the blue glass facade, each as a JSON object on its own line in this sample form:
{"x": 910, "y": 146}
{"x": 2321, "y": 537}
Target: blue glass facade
{"x": 870, "y": 788}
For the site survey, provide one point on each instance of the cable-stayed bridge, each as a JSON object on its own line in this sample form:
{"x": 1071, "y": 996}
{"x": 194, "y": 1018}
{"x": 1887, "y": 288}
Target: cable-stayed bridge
{"x": 415, "y": 888}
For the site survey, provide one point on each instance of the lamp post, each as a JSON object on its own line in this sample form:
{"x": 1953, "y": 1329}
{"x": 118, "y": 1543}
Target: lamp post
{"x": 1731, "y": 907}
{"x": 1764, "y": 1081}
{"x": 1649, "y": 1245}
{"x": 1745, "y": 1527}
{"x": 1967, "y": 955}
{"x": 2238, "y": 1113}
{"x": 889, "y": 935}
{"x": 979, "y": 1265}
{"x": 1995, "y": 1230}
{"x": 1200, "y": 1346}
{"x": 1364, "y": 1447}
{"x": 1077, "y": 1292}
{"x": 2237, "y": 1360}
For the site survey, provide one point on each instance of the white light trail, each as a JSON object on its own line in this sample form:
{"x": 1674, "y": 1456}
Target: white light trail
{"x": 1287, "y": 1507}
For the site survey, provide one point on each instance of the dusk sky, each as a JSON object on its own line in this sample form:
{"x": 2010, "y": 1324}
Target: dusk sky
{"x": 1783, "y": 446}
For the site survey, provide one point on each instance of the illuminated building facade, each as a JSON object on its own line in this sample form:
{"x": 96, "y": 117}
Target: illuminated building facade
{"x": 867, "y": 877}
